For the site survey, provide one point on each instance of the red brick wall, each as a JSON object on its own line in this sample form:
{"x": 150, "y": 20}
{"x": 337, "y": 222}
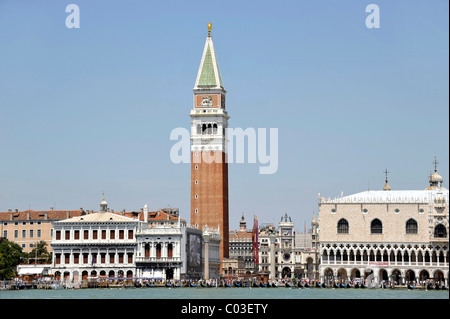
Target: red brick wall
{"x": 212, "y": 196}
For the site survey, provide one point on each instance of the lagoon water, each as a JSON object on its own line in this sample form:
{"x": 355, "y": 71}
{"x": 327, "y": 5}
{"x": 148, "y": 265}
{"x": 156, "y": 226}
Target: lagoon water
{"x": 224, "y": 293}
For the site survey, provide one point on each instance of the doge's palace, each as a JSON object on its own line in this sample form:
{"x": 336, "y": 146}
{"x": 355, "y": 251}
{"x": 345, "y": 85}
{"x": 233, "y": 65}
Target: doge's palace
{"x": 386, "y": 235}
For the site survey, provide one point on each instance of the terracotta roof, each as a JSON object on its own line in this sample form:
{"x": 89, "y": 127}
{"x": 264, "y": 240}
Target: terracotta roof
{"x": 39, "y": 215}
{"x": 65, "y": 214}
{"x": 240, "y": 235}
{"x": 152, "y": 216}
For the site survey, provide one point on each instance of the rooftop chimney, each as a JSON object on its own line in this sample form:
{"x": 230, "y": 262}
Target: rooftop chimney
{"x": 145, "y": 213}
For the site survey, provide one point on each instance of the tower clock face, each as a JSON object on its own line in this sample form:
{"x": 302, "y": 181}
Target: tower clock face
{"x": 286, "y": 256}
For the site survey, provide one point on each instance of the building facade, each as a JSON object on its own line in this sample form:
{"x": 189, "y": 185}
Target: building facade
{"x": 387, "y": 235}
{"x": 27, "y": 228}
{"x": 241, "y": 247}
{"x": 285, "y": 254}
{"x": 209, "y": 167}
{"x": 149, "y": 245}
{"x": 173, "y": 250}
{"x": 101, "y": 244}
{"x": 306, "y": 253}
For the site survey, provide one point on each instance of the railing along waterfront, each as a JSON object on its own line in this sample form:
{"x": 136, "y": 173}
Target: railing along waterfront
{"x": 158, "y": 259}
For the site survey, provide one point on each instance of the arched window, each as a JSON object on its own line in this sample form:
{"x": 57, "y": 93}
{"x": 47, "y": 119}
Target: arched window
{"x": 376, "y": 227}
{"x": 215, "y": 128}
{"x": 440, "y": 231}
{"x": 158, "y": 251}
{"x": 411, "y": 226}
{"x": 342, "y": 226}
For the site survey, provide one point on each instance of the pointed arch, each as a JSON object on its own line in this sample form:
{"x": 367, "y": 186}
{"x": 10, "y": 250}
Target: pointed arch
{"x": 411, "y": 226}
{"x": 440, "y": 231}
{"x": 376, "y": 226}
{"x": 342, "y": 226}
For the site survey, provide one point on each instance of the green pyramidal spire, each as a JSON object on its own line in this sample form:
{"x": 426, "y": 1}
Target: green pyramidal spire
{"x": 209, "y": 72}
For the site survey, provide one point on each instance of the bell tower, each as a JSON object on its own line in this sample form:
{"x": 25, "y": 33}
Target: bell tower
{"x": 209, "y": 167}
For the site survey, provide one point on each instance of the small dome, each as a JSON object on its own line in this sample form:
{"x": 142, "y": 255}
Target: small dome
{"x": 387, "y": 187}
{"x": 103, "y": 205}
{"x": 436, "y": 178}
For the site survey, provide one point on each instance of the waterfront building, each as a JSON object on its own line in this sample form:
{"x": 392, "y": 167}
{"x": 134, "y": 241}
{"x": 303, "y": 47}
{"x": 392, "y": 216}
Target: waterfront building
{"x": 386, "y": 235}
{"x": 241, "y": 248}
{"x": 233, "y": 268}
{"x": 167, "y": 248}
{"x": 101, "y": 244}
{"x": 285, "y": 254}
{"x": 306, "y": 253}
{"x": 276, "y": 249}
{"x": 211, "y": 253}
{"x": 209, "y": 167}
{"x": 146, "y": 245}
{"x": 26, "y": 228}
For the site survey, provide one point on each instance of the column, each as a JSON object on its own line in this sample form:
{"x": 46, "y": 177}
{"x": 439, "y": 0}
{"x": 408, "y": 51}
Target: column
{"x": 178, "y": 249}
{"x": 164, "y": 250}
{"x": 206, "y": 263}
{"x": 272, "y": 259}
{"x": 152, "y": 249}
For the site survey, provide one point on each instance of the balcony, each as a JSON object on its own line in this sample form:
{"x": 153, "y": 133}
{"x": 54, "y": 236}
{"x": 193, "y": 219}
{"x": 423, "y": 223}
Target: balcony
{"x": 439, "y": 240}
{"x": 158, "y": 259}
{"x": 159, "y": 231}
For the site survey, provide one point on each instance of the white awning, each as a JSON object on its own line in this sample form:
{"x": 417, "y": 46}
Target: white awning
{"x": 31, "y": 271}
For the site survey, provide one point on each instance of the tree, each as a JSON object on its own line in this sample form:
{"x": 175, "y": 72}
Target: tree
{"x": 10, "y": 255}
{"x": 40, "y": 253}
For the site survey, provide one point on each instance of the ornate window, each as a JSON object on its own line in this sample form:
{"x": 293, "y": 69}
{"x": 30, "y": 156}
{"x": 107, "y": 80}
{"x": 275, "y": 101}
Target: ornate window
{"x": 440, "y": 231}
{"x": 342, "y": 226}
{"x": 376, "y": 227}
{"x": 411, "y": 226}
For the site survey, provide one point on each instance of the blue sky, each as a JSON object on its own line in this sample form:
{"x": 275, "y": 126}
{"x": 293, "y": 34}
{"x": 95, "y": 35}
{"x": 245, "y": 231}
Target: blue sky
{"x": 88, "y": 110}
